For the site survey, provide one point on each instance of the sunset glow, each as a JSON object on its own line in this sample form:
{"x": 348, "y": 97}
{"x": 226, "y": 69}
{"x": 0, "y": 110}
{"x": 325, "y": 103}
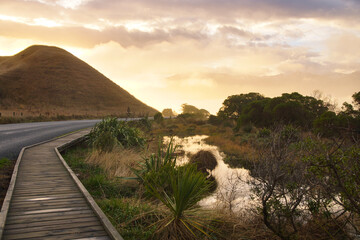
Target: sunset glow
{"x": 167, "y": 53}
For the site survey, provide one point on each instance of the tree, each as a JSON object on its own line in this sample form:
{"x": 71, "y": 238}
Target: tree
{"x": 254, "y": 113}
{"x": 234, "y": 105}
{"x": 280, "y": 181}
{"x": 192, "y": 111}
{"x": 168, "y": 112}
{"x": 336, "y": 166}
{"x": 356, "y": 99}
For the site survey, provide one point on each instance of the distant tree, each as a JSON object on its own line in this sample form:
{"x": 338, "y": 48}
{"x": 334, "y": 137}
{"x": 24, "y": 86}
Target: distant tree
{"x": 190, "y": 110}
{"x": 254, "y": 113}
{"x": 330, "y": 103}
{"x": 168, "y": 112}
{"x": 327, "y": 124}
{"x": 214, "y": 120}
{"x": 186, "y": 108}
{"x": 128, "y": 112}
{"x": 356, "y": 99}
{"x": 235, "y": 104}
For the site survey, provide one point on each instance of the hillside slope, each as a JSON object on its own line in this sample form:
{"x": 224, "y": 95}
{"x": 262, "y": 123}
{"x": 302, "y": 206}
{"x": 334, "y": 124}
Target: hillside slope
{"x": 49, "y": 80}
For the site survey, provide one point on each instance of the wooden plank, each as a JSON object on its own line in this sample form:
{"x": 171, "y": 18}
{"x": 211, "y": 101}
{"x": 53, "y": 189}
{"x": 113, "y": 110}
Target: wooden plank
{"x": 45, "y": 189}
{"x": 27, "y": 208}
{"x": 47, "y": 197}
{"x": 93, "y": 238}
{"x": 94, "y": 223}
{"x": 44, "y": 193}
{"x": 47, "y": 202}
{"x": 51, "y": 222}
{"x": 92, "y": 231}
{"x": 55, "y": 210}
{"x": 49, "y": 216}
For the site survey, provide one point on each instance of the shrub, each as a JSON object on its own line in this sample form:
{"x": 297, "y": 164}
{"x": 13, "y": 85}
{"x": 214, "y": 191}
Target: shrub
{"x": 264, "y": 133}
{"x": 4, "y": 162}
{"x": 204, "y": 160}
{"x": 110, "y": 132}
{"x": 158, "y": 117}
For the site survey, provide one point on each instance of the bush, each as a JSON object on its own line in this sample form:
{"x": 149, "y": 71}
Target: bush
{"x": 214, "y": 120}
{"x": 110, "y": 132}
{"x": 204, "y": 160}
{"x": 158, "y": 117}
{"x": 4, "y": 162}
{"x": 264, "y": 133}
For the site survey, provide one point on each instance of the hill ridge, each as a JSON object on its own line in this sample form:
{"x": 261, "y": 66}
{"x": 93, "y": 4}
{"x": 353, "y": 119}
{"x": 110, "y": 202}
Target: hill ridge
{"x": 49, "y": 80}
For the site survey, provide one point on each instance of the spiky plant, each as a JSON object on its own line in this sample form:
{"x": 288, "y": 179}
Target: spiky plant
{"x": 155, "y": 162}
{"x": 182, "y": 219}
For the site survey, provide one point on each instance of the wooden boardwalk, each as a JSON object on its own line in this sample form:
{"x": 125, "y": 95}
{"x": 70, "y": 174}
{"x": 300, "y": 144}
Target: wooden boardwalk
{"x": 49, "y": 202}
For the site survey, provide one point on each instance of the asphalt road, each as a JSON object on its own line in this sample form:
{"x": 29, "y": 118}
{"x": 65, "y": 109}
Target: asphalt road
{"x": 13, "y": 137}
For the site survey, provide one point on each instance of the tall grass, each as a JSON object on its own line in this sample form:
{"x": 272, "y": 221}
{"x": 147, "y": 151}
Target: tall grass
{"x": 117, "y": 163}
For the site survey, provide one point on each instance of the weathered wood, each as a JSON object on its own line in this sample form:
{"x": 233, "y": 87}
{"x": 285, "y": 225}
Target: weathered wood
{"x": 46, "y": 200}
{"x": 51, "y": 222}
{"x": 49, "y": 216}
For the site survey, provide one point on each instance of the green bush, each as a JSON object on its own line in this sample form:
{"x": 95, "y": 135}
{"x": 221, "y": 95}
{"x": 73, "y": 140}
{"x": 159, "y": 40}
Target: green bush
{"x": 110, "y": 133}
{"x": 264, "y": 133}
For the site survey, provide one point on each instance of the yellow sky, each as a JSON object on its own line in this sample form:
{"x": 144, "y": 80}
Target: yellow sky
{"x": 199, "y": 52}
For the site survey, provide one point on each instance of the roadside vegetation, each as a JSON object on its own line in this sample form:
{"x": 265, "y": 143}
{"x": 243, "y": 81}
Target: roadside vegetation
{"x": 6, "y": 169}
{"x": 302, "y": 156}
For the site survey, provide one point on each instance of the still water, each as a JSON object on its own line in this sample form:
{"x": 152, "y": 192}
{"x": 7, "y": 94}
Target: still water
{"x": 233, "y": 191}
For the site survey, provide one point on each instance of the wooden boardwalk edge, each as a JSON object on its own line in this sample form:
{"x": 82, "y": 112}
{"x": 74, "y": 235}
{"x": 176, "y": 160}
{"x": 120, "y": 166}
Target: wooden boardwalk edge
{"x": 110, "y": 229}
{"x": 6, "y": 203}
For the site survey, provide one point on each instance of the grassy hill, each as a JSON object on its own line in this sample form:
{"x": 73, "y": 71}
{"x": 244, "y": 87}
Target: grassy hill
{"x": 51, "y": 81}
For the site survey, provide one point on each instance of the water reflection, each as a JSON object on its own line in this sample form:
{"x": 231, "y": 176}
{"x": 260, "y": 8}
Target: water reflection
{"x": 233, "y": 192}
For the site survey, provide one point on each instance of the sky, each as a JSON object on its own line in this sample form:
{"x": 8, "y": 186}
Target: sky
{"x": 170, "y": 52}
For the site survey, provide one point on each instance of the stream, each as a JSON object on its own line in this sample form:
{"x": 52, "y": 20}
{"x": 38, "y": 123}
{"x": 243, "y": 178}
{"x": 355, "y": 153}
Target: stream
{"x": 233, "y": 191}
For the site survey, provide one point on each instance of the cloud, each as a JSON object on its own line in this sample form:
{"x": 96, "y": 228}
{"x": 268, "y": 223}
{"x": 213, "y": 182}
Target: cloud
{"x": 344, "y": 49}
{"x": 197, "y": 51}
{"x": 188, "y": 72}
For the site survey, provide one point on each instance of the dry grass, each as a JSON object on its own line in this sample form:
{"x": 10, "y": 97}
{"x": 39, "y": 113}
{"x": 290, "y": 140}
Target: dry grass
{"x": 229, "y": 146}
{"x": 245, "y": 226}
{"x": 117, "y": 163}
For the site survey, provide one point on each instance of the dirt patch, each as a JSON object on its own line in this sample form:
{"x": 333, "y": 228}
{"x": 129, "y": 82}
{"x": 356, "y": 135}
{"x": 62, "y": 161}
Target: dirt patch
{"x": 6, "y": 170}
